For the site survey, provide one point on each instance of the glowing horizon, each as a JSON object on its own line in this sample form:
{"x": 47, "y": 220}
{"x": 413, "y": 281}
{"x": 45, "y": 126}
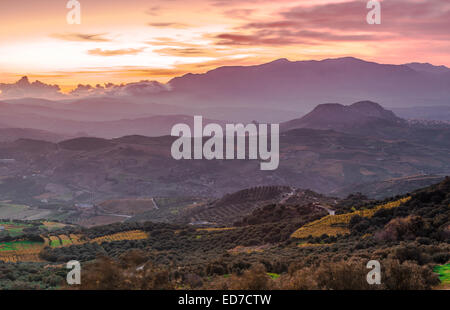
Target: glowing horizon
{"x": 122, "y": 42}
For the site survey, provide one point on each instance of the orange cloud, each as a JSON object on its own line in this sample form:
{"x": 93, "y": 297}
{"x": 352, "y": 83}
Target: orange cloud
{"x": 118, "y": 52}
{"x": 227, "y": 32}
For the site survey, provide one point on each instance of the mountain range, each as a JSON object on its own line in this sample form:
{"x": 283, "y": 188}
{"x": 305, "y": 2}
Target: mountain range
{"x": 272, "y": 92}
{"x": 301, "y": 85}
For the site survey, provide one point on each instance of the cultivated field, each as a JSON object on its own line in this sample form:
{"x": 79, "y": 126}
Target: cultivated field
{"x": 334, "y": 225}
{"x": 19, "y": 251}
{"x": 28, "y": 251}
{"x": 126, "y": 235}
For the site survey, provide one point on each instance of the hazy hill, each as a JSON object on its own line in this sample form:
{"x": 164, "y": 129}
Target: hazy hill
{"x": 300, "y": 85}
{"x": 158, "y": 125}
{"x": 322, "y": 160}
{"x": 369, "y": 119}
{"x": 12, "y": 134}
{"x": 340, "y": 117}
{"x": 427, "y": 67}
{"x": 272, "y": 92}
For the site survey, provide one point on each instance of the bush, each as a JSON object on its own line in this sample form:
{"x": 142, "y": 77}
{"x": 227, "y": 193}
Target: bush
{"x": 343, "y": 276}
{"x": 407, "y": 228}
{"x": 407, "y": 276}
{"x": 255, "y": 278}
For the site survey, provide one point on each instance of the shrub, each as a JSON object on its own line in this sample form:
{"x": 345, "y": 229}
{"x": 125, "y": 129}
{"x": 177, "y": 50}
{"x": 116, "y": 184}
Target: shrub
{"x": 407, "y": 276}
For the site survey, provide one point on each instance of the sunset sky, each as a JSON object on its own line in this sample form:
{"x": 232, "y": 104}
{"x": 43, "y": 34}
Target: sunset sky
{"x": 124, "y": 41}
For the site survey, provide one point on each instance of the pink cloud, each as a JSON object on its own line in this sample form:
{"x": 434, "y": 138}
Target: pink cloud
{"x": 23, "y": 88}
{"x": 346, "y": 21}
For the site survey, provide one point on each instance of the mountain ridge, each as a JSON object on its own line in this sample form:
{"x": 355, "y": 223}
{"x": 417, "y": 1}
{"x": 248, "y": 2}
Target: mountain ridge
{"x": 269, "y": 92}
{"x": 301, "y": 85}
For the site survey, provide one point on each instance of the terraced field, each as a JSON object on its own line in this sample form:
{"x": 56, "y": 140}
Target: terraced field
{"x": 18, "y": 251}
{"x": 233, "y": 207}
{"x": 54, "y": 241}
{"x": 62, "y": 240}
{"x": 76, "y": 239}
{"x": 127, "y": 235}
{"x": 28, "y": 251}
{"x": 333, "y": 225}
{"x": 14, "y": 229}
{"x": 65, "y": 240}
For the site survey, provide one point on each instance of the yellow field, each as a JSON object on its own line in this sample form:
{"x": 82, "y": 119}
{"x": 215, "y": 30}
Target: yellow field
{"x": 22, "y": 252}
{"x": 15, "y": 257}
{"x": 30, "y": 252}
{"x": 333, "y": 225}
{"x": 76, "y": 239}
{"x": 126, "y": 235}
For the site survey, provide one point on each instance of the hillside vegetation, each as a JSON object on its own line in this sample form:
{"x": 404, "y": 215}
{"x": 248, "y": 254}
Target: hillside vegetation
{"x": 333, "y": 225}
{"x": 410, "y": 236}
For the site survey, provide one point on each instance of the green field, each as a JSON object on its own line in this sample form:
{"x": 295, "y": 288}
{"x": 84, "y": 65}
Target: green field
{"x": 66, "y": 242}
{"x": 444, "y": 273}
{"x": 55, "y": 243}
{"x": 14, "y": 229}
{"x": 17, "y": 245}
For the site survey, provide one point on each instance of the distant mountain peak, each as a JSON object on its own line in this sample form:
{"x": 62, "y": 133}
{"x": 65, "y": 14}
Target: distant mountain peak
{"x": 281, "y": 60}
{"x": 340, "y": 117}
{"x": 367, "y": 105}
{"x": 328, "y": 108}
{"x": 345, "y": 59}
{"x": 373, "y": 109}
{"x": 23, "y": 81}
